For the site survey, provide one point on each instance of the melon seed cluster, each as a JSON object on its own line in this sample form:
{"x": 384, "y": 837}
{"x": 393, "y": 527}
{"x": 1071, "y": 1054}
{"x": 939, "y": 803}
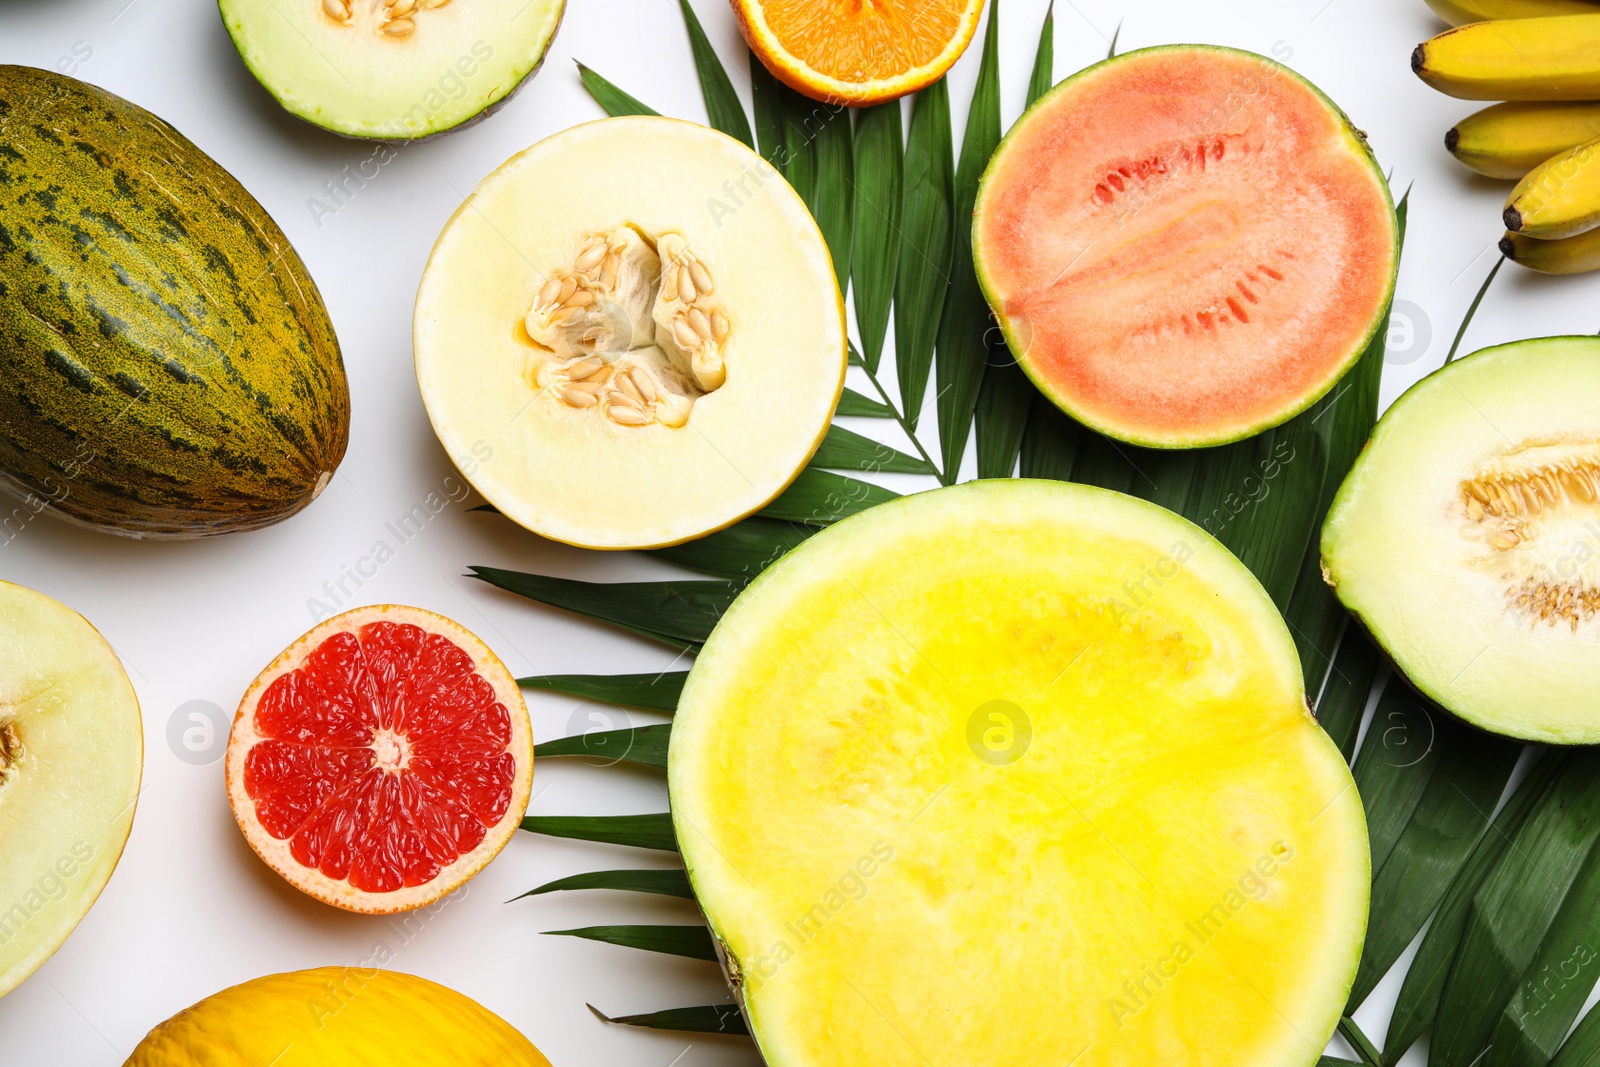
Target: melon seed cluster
{"x": 394, "y": 18}
{"x": 632, "y": 329}
{"x": 1507, "y": 509}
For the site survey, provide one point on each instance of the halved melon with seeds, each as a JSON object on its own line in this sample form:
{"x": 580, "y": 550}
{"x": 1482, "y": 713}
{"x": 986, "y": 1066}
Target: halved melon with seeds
{"x": 1467, "y": 538}
{"x": 1186, "y": 245}
{"x": 393, "y": 70}
{"x": 71, "y": 755}
{"x": 1018, "y": 773}
{"x": 382, "y": 760}
{"x": 635, "y": 330}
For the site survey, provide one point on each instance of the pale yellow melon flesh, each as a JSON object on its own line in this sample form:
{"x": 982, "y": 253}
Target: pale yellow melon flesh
{"x": 71, "y": 753}
{"x": 1153, "y": 855}
{"x": 572, "y": 473}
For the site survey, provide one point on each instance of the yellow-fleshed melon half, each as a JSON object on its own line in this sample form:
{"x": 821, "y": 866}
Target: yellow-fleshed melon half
{"x": 634, "y": 332}
{"x": 1016, "y": 773}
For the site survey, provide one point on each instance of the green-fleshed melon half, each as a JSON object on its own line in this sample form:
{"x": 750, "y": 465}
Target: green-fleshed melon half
{"x": 392, "y": 70}
{"x": 1467, "y": 538}
{"x": 1018, "y": 773}
{"x": 1186, "y": 245}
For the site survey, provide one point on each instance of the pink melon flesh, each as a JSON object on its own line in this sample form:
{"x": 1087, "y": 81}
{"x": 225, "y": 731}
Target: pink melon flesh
{"x": 1186, "y": 245}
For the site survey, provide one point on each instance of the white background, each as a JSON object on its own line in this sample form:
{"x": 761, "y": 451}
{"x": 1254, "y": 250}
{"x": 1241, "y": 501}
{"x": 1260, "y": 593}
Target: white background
{"x": 190, "y": 909}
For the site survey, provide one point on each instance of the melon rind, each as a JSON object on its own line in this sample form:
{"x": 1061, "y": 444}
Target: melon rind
{"x": 827, "y": 720}
{"x": 1393, "y": 551}
{"x": 67, "y": 808}
{"x": 1151, "y": 433}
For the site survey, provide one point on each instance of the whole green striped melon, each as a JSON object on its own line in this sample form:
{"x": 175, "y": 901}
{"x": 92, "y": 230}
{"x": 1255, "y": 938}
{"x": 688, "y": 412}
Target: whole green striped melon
{"x": 170, "y": 368}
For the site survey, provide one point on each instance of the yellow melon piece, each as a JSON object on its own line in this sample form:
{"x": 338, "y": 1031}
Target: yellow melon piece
{"x": 337, "y": 1017}
{"x": 631, "y": 335}
{"x": 1017, "y": 773}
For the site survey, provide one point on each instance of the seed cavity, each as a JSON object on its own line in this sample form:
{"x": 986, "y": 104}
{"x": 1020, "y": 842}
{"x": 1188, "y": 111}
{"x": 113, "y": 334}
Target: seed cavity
{"x": 1536, "y": 510}
{"x": 630, "y": 330}
{"x": 10, "y": 751}
{"x": 394, "y": 20}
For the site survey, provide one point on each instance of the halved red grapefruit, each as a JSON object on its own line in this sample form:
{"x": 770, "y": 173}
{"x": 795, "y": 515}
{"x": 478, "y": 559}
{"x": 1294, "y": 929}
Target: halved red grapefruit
{"x": 1186, "y": 245}
{"x": 382, "y": 760}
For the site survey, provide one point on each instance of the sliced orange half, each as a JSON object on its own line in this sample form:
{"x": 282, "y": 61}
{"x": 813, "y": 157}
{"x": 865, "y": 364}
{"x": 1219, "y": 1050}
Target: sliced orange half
{"x": 858, "y": 51}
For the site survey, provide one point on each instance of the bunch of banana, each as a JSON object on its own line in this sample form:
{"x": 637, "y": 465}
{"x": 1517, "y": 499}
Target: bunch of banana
{"x": 1543, "y": 58}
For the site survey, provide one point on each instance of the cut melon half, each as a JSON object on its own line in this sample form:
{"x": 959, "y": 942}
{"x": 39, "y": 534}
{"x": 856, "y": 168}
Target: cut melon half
{"x": 393, "y": 70}
{"x": 1467, "y": 538}
{"x": 1014, "y": 773}
{"x": 630, "y": 335}
{"x": 71, "y": 755}
{"x": 1186, "y": 245}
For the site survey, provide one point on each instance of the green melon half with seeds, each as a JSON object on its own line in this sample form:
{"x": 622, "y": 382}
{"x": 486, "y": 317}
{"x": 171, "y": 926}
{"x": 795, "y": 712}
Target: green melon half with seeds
{"x": 392, "y": 69}
{"x": 170, "y": 368}
{"x": 1018, "y": 773}
{"x": 1467, "y": 538}
{"x": 1186, "y": 245}
{"x": 71, "y": 755}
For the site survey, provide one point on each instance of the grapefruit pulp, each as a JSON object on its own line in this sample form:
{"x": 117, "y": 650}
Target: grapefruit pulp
{"x": 382, "y": 760}
{"x": 1186, "y": 245}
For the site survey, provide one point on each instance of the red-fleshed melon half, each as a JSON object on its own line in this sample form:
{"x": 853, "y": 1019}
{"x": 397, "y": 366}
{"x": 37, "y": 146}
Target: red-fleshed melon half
{"x": 1186, "y": 245}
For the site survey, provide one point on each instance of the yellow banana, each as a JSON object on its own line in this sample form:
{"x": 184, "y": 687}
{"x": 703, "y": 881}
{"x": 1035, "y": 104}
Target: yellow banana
{"x": 1556, "y": 58}
{"x": 1509, "y": 140}
{"x": 1460, "y": 12}
{"x": 1558, "y": 198}
{"x": 1570, "y": 255}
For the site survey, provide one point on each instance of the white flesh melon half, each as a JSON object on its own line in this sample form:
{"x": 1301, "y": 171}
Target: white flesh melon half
{"x": 1467, "y": 538}
{"x": 391, "y": 69}
{"x": 630, "y": 334}
{"x": 71, "y": 754}
{"x": 1018, "y": 773}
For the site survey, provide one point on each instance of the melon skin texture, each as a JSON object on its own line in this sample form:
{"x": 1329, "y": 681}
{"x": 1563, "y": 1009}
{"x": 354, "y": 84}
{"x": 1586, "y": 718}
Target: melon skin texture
{"x": 381, "y": 76}
{"x": 337, "y": 1017}
{"x": 1186, "y": 245}
{"x": 732, "y": 424}
{"x": 172, "y": 371}
{"x": 71, "y": 756}
{"x": 1487, "y": 608}
{"x": 1013, "y": 773}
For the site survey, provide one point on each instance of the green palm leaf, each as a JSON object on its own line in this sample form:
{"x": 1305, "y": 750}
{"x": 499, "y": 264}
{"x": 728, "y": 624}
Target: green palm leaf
{"x": 853, "y": 403}
{"x": 658, "y": 690}
{"x": 1344, "y": 698}
{"x": 636, "y": 831}
{"x": 1418, "y": 1002}
{"x": 691, "y": 942}
{"x": 707, "y": 1019}
{"x": 740, "y": 552}
{"x": 665, "y": 883}
{"x": 927, "y": 241}
{"x": 722, "y": 103}
{"x": 644, "y": 745}
{"x": 675, "y": 613}
{"x": 879, "y": 184}
{"x": 608, "y": 96}
{"x": 1006, "y": 395}
{"x": 1440, "y": 829}
{"x": 848, "y": 450}
{"x": 963, "y": 339}
{"x": 1513, "y": 910}
{"x": 821, "y": 498}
